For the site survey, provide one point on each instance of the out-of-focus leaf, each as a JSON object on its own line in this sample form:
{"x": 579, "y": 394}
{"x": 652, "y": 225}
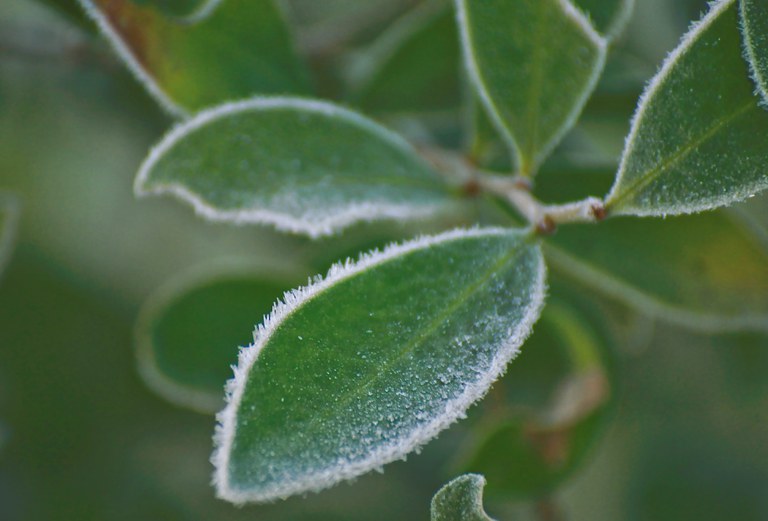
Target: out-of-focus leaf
{"x": 188, "y": 333}
{"x": 414, "y": 67}
{"x": 460, "y": 500}
{"x": 9, "y": 219}
{"x": 534, "y": 64}
{"x": 608, "y": 16}
{"x": 189, "y": 10}
{"x": 754, "y": 26}
{"x": 706, "y": 271}
{"x": 698, "y": 139}
{"x": 243, "y": 48}
{"x": 534, "y": 441}
{"x": 303, "y": 166}
{"x": 375, "y": 360}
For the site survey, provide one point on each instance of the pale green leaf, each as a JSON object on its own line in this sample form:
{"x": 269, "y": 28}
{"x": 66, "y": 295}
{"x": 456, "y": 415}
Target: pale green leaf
{"x": 9, "y": 219}
{"x": 363, "y": 367}
{"x": 608, "y": 16}
{"x": 754, "y": 26}
{"x": 189, "y": 331}
{"x": 460, "y": 500}
{"x": 698, "y": 138}
{"x": 242, "y": 48}
{"x": 303, "y": 166}
{"x": 534, "y": 64}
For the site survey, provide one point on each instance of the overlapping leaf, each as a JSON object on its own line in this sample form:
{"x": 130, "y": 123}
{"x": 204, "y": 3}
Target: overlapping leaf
{"x": 339, "y": 382}
{"x": 608, "y": 16}
{"x": 534, "y": 63}
{"x": 414, "y": 67}
{"x": 754, "y": 25}
{"x": 188, "y": 333}
{"x": 242, "y": 48}
{"x": 187, "y": 10}
{"x": 698, "y": 139}
{"x": 460, "y": 500}
{"x": 303, "y": 166}
{"x": 557, "y": 398}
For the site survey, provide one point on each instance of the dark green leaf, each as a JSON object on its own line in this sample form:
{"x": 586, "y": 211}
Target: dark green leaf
{"x": 9, "y": 218}
{"x": 537, "y": 438}
{"x": 243, "y": 48}
{"x": 414, "y": 67}
{"x": 303, "y": 166}
{"x": 608, "y": 16}
{"x": 188, "y": 333}
{"x": 534, "y": 63}
{"x": 363, "y": 367}
{"x": 460, "y": 500}
{"x": 706, "y": 271}
{"x": 698, "y": 139}
{"x": 754, "y": 26}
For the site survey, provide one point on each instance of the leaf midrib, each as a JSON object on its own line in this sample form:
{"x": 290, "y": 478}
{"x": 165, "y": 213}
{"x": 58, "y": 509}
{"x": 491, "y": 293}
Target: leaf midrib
{"x": 346, "y": 398}
{"x": 648, "y": 177}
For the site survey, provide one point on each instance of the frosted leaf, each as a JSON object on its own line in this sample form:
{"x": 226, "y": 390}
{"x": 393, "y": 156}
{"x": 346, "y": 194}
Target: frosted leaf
{"x": 305, "y": 414}
{"x": 698, "y": 139}
{"x": 754, "y": 28}
{"x": 460, "y": 500}
{"x": 302, "y": 166}
{"x": 534, "y": 63}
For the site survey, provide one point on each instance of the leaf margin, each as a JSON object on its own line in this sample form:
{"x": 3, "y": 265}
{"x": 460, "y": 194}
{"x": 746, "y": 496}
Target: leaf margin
{"x": 475, "y": 79}
{"x": 226, "y": 418}
{"x": 280, "y": 222}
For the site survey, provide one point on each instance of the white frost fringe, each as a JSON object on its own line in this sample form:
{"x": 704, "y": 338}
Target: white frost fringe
{"x": 454, "y": 410}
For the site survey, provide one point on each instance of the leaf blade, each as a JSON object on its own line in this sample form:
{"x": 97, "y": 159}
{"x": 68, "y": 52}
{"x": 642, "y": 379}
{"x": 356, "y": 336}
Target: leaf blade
{"x": 460, "y": 500}
{"x": 555, "y": 85}
{"x": 608, "y": 16}
{"x": 249, "y": 49}
{"x": 342, "y": 381}
{"x": 668, "y": 166}
{"x": 9, "y": 222}
{"x": 755, "y": 36}
{"x": 299, "y": 165}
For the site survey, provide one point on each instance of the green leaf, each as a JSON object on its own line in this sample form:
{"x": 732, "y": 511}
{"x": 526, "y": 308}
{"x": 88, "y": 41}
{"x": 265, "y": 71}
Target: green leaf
{"x": 243, "y": 48}
{"x": 534, "y": 63}
{"x": 681, "y": 269}
{"x": 558, "y": 399}
{"x": 460, "y": 500}
{"x": 303, "y": 166}
{"x": 698, "y": 139}
{"x": 188, "y": 332}
{"x": 9, "y": 220}
{"x": 188, "y": 10}
{"x": 414, "y": 67}
{"x": 754, "y": 26}
{"x": 609, "y": 17}
{"x": 361, "y": 368}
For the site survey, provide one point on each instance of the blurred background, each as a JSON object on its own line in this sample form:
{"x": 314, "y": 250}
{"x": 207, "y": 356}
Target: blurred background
{"x": 82, "y": 437}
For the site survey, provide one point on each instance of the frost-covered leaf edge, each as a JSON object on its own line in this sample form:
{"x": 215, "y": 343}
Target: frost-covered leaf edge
{"x": 125, "y": 54}
{"x": 454, "y": 410}
{"x": 366, "y": 212}
{"x": 761, "y": 82}
{"x": 716, "y": 7}
{"x": 477, "y": 482}
{"x": 165, "y": 387}
{"x": 473, "y": 72}
{"x": 11, "y": 207}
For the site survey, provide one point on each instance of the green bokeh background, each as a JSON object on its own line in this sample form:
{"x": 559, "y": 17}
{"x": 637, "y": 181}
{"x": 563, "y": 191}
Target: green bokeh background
{"x": 82, "y": 438}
